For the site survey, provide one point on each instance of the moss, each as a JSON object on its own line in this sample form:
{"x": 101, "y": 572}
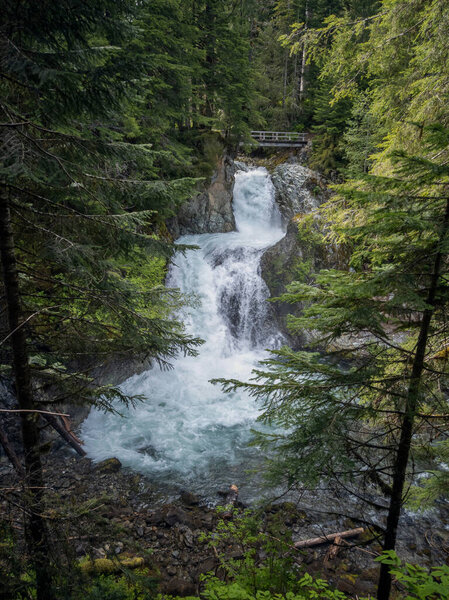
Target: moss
{"x": 367, "y": 536}
{"x": 106, "y": 565}
{"x": 351, "y": 577}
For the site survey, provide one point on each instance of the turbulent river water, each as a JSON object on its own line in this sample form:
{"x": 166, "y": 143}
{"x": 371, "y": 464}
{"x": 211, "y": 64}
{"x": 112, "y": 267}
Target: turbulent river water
{"x": 188, "y": 433}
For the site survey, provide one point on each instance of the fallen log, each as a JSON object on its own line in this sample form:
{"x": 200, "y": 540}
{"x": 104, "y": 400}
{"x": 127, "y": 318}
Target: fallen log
{"x": 65, "y": 434}
{"x": 327, "y": 539}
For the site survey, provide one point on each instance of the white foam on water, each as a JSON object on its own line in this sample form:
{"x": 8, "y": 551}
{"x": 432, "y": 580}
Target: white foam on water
{"x": 188, "y": 432}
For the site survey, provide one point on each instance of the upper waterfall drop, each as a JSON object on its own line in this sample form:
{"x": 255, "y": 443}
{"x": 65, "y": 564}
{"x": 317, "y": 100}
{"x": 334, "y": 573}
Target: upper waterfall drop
{"x": 188, "y": 431}
{"x": 256, "y": 214}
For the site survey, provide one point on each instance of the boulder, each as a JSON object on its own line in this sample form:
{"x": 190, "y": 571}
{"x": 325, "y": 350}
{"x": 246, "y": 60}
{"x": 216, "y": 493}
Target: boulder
{"x": 168, "y": 516}
{"x": 173, "y": 516}
{"x": 298, "y": 190}
{"x": 110, "y": 465}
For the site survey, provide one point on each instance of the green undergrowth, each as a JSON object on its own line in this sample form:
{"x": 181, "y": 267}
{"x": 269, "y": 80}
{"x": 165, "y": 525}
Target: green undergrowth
{"x": 256, "y": 561}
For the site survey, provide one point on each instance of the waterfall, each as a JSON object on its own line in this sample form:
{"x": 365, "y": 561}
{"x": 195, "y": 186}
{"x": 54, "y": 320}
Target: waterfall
{"x": 188, "y": 432}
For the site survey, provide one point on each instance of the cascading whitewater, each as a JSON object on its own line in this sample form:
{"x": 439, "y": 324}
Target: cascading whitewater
{"x": 189, "y": 432}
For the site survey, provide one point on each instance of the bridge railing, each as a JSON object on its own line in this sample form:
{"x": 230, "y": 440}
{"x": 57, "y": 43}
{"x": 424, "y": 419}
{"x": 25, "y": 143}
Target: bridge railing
{"x": 279, "y": 136}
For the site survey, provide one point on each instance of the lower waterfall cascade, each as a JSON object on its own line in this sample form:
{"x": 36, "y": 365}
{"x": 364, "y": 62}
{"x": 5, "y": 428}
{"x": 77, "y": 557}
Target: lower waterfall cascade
{"x": 188, "y": 433}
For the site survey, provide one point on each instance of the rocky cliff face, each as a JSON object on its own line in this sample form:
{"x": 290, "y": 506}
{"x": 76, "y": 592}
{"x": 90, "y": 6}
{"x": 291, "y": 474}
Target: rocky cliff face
{"x": 211, "y": 210}
{"x": 299, "y": 190}
{"x": 299, "y": 193}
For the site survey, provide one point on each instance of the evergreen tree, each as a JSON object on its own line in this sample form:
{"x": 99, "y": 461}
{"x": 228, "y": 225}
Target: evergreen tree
{"x": 360, "y": 138}
{"x": 80, "y": 209}
{"x": 399, "y": 53}
{"x": 331, "y": 119}
{"x": 357, "y": 418}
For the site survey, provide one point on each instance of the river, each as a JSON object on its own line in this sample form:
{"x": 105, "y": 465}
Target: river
{"x": 188, "y": 433}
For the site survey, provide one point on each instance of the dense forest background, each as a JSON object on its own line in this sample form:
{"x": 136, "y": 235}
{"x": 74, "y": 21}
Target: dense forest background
{"x": 114, "y": 113}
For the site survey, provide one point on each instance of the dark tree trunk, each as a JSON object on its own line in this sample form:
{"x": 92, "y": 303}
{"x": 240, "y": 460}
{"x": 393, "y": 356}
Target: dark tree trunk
{"x": 11, "y": 454}
{"x": 37, "y": 538}
{"x": 403, "y": 452}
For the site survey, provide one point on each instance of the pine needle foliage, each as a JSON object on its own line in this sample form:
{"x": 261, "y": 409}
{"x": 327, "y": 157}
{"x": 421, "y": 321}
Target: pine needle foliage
{"x": 85, "y": 203}
{"x": 360, "y": 414}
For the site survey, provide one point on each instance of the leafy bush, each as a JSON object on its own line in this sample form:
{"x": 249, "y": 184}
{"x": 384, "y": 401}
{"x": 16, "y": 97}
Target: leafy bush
{"x": 419, "y": 583}
{"x": 308, "y": 589}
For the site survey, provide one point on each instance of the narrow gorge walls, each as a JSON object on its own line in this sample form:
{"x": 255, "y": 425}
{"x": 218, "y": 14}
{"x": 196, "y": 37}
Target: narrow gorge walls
{"x": 299, "y": 192}
{"x": 211, "y": 210}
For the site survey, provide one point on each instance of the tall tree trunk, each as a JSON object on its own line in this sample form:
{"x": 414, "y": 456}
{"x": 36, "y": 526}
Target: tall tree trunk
{"x": 302, "y": 75}
{"x": 284, "y": 85}
{"x": 403, "y": 452}
{"x": 211, "y": 59}
{"x": 37, "y": 538}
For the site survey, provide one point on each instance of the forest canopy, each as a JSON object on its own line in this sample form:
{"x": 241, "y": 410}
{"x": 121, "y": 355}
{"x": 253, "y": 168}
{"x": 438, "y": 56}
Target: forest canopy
{"x": 114, "y": 114}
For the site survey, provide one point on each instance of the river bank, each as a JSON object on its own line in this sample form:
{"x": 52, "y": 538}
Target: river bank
{"x": 110, "y": 511}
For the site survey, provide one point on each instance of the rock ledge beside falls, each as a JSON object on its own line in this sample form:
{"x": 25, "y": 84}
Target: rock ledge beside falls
{"x": 210, "y": 211}
{"x": 299, "y": 192}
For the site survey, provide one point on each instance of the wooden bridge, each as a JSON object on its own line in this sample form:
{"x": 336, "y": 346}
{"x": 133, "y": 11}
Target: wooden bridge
{"x": 279, "y": 139}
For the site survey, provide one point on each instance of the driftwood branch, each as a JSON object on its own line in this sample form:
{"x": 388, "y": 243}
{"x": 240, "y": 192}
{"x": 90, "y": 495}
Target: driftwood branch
{"x": 333, "y": 550}
{"x": 32, "y": 410}
{"x": 68, "y": 426}
{"x": 67, "y": 435}
{"x": 327, "y": 539}
{"x": 50, "y": 416}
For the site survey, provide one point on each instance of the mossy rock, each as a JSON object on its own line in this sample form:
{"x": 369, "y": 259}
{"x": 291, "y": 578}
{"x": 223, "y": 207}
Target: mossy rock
{"x": 106, "y": 565}
{"x": 367, "y": 536}
{"x": 371, "y": 575}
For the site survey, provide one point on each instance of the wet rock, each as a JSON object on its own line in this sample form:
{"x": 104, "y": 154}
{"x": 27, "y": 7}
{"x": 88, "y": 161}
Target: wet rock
{"x": 207, "y": 521}
{"x": 168, "y": 515}
{"x": 211, "y": 210}
{"x": 110, "y": 465}
{"x": 118, "y": 549}
{"x": 98, "y": 553}
{"x": 175, "y": 515}
{"x": 299, "y": 193}
{"x": 298, "y": 189}
{"x": 149, "y": 450}
{"x": 189, "y": 499}
{"x": 206, "y": 565}
{"x": 156, "y": 518}
{"x": 171, "y": 570}
{"x": 188, "y": 538}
